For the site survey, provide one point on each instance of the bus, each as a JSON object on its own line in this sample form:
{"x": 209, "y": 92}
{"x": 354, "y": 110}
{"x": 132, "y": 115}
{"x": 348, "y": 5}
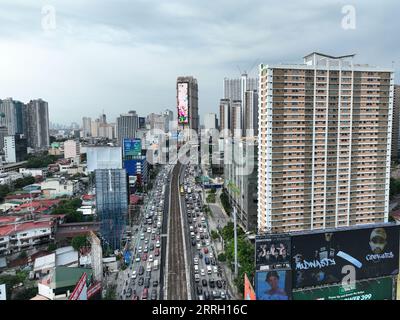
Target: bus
{"x": 182, "y": 191}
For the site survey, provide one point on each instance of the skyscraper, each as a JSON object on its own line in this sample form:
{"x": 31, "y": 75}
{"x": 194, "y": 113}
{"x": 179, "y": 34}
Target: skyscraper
{"x": 111, "y": 204}
{"x": 168, "y": 117}
{"x": 37, "y": 124}
{"x": 225, "y": 114}
{"x": 210, "y": 121}
{"x": 250, "y": 114}
{"x": 86, "y": 127}
{"x": 11, "y": 115}
{"x": 127, "y": 125}
{"x": 187, "y": 102}
{"x": 395, "y": 126}
{"x": 236, "y": 118}
{"x": 15, "y": 148}
{"x": 324, "y": 144}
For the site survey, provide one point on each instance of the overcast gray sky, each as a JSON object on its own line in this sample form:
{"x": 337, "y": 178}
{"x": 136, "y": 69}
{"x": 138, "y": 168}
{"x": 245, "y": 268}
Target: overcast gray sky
{"x": 126, "y": 54}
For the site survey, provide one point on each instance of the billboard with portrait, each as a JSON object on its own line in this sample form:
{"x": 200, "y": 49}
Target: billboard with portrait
{"x": 373, "y": 289}
{"x": 249, "y": 293}
{"x": 328, "y": 257}
{"x": 272, "y": 252}
{"x": 273, "y": 285}
{"x": 132, "y": 148}
{"x": 183, "y": 103}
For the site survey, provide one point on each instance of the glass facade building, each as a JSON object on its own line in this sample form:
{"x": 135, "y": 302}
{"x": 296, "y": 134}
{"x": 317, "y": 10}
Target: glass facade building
{"x": 112, "y": 204}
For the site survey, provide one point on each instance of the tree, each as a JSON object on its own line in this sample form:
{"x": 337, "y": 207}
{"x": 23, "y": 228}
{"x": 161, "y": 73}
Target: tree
{"x": 214, "y": 235}
{"x": 52, "y": 247}
{"x": 79, "y": 242}
{"x": 221, "y": 257}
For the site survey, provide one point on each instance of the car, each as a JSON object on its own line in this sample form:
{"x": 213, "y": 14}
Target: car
{"x": 212, "y": 261}
{"x": 151, "y": 258}
{"x": 202, "y": 272}
{"x": 219, "y": 284}
{"x": 137, "y": 258}
{"x": 146, "y": 241}
{"x": 197, "y": 277}
{"x": 156, "y": 252}
{"x": 211, "y": 255}
{"x": 149, "y": 230}
{"x": 204, "y": 282}
{"x": 158, "y": 244}
{"x": 144, "y": 257}
{"x": 148, "y": 269}
{"x": 199, "y": 289}
{"x": 200, "y": 255}
{"x": 223, "y": 295}
{"x": 155, "y": 283}
{"x": 151, "y": 246}
{"x": 198, "y": 246}
{"x": 215, "y": 294}
{"x": 141, "y": 281}
{"x": 146, "y": 249}
{"x": 193, "y": 242}
{"x": 206, "y": 260}
{"x": 190, "y": 220}
{"x": 140, "y": 249}
{"x": 202, "y": 237}
{"x": 147, "y": 283}
{"x": 154, "y": 294}
{"x": 153, "y": 236}
{"x": 206, "y": 295}
{"x": 207, "y": 241}
{"x": 134, "y": 275}
{"x": 142, "y": 236}
{"x": 209, "y": 271}
{"x": 129, "y": 293}
{"x": 211, "y": 283}
{"x": 141, "y": 270}
{"x": 205, "y": 250}
{"x": 196, "y": 268}
{"x": 196, "y": 260}
{"x": 215, "y": 269}
{"x": 203, "y": 243}
{"x": 145, "y": 293}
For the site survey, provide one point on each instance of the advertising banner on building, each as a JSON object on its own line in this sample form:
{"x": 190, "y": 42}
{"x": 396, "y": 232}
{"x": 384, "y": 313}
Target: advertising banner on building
{"x": 328, "y": 257}
{"x": 272, "y": 252}
{"x": 183, "y": 103}
{"x": 373, "y": 289}
{"x": 273, "y": 285}
{"x": 132, "y": 148}
{"x": 249, "y": 293}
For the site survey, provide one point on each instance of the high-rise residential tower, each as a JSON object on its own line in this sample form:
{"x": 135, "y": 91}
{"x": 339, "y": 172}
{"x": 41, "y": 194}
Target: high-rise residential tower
{"x": 325, "y": 130}
{"x": 250, "y": 114}
{"x": 11, "y": 115}
{"x": 224, "y": 114}
{"x": 127, "y": 125}
{"x": 236, "y": 118}
{"x": 395, "y": 125}
{"x": 210, "y": 121}
{"x": 86, "y": 127}
{"x": 37, "y": 124}
{"x": 187, "y": 102}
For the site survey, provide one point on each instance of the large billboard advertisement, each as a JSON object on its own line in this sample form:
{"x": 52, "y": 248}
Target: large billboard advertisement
{"x": 273, "y": 285}
{"x": 373, "y": 289}
{"x": 132, "y": 148}
{"x": 183, "y": 103}
{"x": 272, "y": 252}
{"x": 329, "y": 257}
{"x": 249, "y": 293}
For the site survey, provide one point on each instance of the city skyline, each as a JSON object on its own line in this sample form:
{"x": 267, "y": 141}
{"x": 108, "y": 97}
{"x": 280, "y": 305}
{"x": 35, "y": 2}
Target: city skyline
{"x": 222, "y": 43}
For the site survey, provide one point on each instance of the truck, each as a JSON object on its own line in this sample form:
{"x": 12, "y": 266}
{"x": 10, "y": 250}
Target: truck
{"x": 155, "y": 264}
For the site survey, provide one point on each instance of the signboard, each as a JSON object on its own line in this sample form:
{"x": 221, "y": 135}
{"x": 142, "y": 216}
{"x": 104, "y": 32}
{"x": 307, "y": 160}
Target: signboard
{"x": 3, "y": 293}
{"x": 249, "y": 293}
{"x": 327, "y": 257}
{"x": 95, "y": 288}
{"x": 132, "y": 148}
{"x": 373, "y": 289}
{"x": 273, "y": 285}
{"x": 183, "y": 103}
{"x": 272, "y": 252}
{"x": 80, "y": 291}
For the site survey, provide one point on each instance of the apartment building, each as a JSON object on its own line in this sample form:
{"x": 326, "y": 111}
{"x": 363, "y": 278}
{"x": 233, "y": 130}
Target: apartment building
{"x": 325, "y": 130}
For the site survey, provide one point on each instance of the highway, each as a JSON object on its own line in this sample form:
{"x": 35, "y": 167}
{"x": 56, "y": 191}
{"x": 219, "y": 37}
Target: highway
{"x": 177, "y": 282}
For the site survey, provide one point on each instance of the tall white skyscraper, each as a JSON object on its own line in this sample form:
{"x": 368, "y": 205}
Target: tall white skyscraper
{"x": 127, "y": 125}
{"x": 210, "y": 121}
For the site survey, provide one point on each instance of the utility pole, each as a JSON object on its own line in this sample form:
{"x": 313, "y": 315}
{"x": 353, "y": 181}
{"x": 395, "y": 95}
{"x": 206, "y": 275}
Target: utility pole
{"x": 236, "y": 190}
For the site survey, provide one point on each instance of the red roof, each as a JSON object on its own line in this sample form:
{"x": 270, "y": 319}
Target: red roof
{"x": 7, "y": 219}
{"x": 134, "y": 199}
{"x": 22, "y": 196}
{"x": 10, "y": 229}
{"x": 88, "y": 197}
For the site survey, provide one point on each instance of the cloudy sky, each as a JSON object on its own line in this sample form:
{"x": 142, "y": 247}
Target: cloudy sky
{"x": 122, "y": 55}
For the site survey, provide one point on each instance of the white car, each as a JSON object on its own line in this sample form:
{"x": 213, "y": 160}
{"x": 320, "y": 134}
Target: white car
{"x": 215, "y": 269}
{"x": 140, "y": 249}
{"x": 148, "y": 230}
{"x": 196, "y": 260}
{"x": 157, "y": 244}
{"x": 134, "y": 274}
{"x": 207, "y": 242}
{"x": 142, "y": 236}
{"x": 137, "y": 259}
{"x": 202, "y": 272}
{"x": 151, "y": 258}
{"x": 211, "y": 255}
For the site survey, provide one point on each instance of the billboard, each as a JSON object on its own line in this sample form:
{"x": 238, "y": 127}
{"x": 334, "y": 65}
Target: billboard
{"x": 373, "y": 289}
{"x": 249, "y": 293}
{"x": 132, "y": 148}
{"x": 356, "y": 254}
{"x": 272, "y": 252}
{"x": 183, "y": 103}
{"x": 104, "y": 158}
{"x": 273, "y": 285}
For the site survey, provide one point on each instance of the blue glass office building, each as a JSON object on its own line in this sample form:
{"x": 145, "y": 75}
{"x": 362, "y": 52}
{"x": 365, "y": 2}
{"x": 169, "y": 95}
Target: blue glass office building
{"x": 112, "y": 204}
